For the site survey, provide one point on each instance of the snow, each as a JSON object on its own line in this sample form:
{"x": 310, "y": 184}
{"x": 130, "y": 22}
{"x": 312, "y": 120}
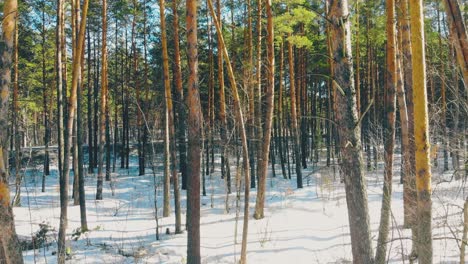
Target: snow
{"x": 309, "y": 225}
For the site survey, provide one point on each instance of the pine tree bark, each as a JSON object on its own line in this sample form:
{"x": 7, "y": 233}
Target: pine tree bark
{"x": 445, "y": 139}
{"x": 455, "y": 131}
{"x": 249, "y": 84}
{"x": 409, "y": 192}
{"x": 194, "y": 135}
{"x": 79, "y": 134}
{"x": 279, "y": 115}
{"x": 144, "y": 127}
{"x": 63, "y": 189}
{"x": 458, "y": 35}
{"x": 389, "y": 132}
{"x": 76, "y": 70}
{"x": 16, "y": 116}
{"x": 95, "y": 100}
{"x": 358, "y": 63}
{"x": 349, "y": 132}
{"x": 10, "y": 251}
{"x": 257, "y": 148}
{"x": 179, "y": 98}
{"x": 421, "y": 134}
{"x": 403, "y": 111}
{"x": 90, "y": 110}
{"x": 76, "y": 162}
{"x": 294, "y": 121}
{"x": 102, "y": 129}
{"x": 225, "y": 167}
{"x": 269, "y": 98}
{"x": 47, "y": 129}
{"x": 170, "y": 119}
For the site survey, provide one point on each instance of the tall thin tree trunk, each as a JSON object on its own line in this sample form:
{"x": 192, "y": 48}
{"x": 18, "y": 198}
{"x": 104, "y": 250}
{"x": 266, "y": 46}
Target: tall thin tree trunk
{"x": 455, "y": 133}
{"x": 222, "y": 107}
{"x": 79, "y": 133}
{"x": 10, "y": 250}
{"x": 421, "y": 134}
{"x": 445, "y": 139}
{"x": 90, "y": 111}
{"x": 102, "y": 129}
{"x": 194, "y": 135}
{"x": 170, "y": 119}
{"x": 179, "y": 97}
{"x": 116, "y": 97}
{"x": 79, "y": 136}
{"x": 358, "y": 62}
{"x": 458, "y": 35}
{"x": 45, "y": 103}
{"x": 257, "y": 149}
{"x": 269, "y": 98}
{"x": 409, "y": 193}
{"x": 68, "y": 136}
{"x": 63, "y": 187}
{"x": 294, "y": 121}
{"x": 403, "y": 111}
{"x": 75, "y": 22}
{"x": 389, "y": 132}
{"x": 280, "y": 119}
{"x": 95, "y": 99}
{"x": 248, "y": 83}
{"x": 16, "y": 116}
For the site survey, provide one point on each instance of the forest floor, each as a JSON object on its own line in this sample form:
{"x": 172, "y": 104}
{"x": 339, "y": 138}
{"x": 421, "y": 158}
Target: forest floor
{"x": 308, "y": 225}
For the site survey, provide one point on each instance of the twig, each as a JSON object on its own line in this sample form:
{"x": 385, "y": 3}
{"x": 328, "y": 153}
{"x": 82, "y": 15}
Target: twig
{"x": 364, "y": 113}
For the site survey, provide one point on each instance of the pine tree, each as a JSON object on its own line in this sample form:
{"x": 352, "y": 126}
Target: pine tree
{"x": 11, "y": 251}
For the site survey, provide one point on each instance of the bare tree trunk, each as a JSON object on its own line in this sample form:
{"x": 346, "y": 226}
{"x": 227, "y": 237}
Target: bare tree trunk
{"x": 79, "y": 136}
{"x": 458, "y": 35}
{"x": 194, "y": 136}
{"x": 63, "y": 189}
{"x": 90, "y": 111}
{"x": 45, "y": 103}
{"x": 179, "y": 98}
{"x": 257, "y": 148}
{"x": 358, "y": 60}
{"x": 280, "y": 119}
{"x": 294, "y": 121}
{"x": 389, "y": 132}
{"x": 222, "y": 107}
{"x": 249, "y": 84}
{"x": 10, "y": 251}
{"x": 409, "y": 192}
{"x": 349, "y": 133}
{"x": 170, "y": 133}
{"x": 95, "y": 99}
{"x": 455, "y": 133}
{"x": 102, "y": 129}
{"x": 445, "y": 138}
{"x": 16, "y": 116}
{"x": 269, "y": 97}
{"x": 421, "y": 134}
{"x": 68, "y": 136}
{"x": 75, "y": 22}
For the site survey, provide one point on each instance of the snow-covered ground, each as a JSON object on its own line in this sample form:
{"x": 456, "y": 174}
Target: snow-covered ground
{"x": 309, "y": 225}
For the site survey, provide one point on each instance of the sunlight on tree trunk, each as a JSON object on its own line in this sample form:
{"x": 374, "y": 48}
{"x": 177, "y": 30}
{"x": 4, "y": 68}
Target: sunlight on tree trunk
{"x": 421, "y": 134}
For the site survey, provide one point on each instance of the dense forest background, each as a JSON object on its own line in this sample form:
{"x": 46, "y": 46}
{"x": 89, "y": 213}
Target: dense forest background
{"x": 254, "y": 89}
